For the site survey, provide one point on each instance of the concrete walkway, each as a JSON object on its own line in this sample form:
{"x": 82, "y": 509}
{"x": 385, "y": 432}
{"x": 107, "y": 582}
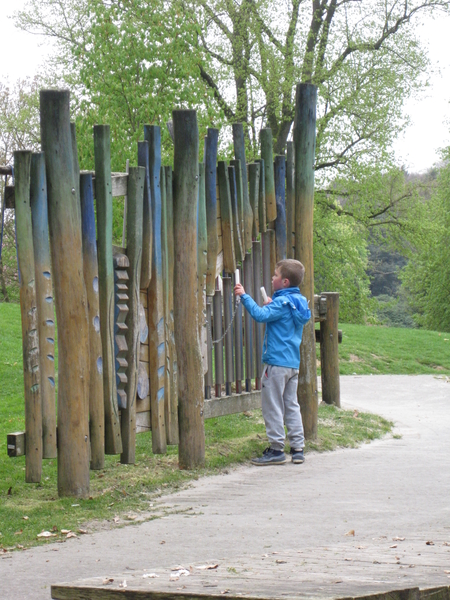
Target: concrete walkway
{"x": 393, "y": 494}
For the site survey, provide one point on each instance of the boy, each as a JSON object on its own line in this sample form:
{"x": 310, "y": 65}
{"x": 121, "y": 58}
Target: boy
{"x": 285, "y": 314}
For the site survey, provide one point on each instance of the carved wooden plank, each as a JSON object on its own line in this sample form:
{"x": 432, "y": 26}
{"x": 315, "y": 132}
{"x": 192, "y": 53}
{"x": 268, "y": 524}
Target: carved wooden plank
{"x": 228, "y": 341}
{"x": 172, "y": 426}
{"x": 44, "y": 303}
{"x": 253, "y": 175}
{"x": 280, "y": 195}
{"x": 226, "y": 213}
{"x": 102, "y": 151}
{"x": 90, "y": 270}
{"x": 135, "y": 212}
{"x": 238, "y": 344}
{"x": 28, "y": 309}
{"x": 248, "y": 322}
{"x": 257, "y": 327}
{"x": 70, "y": 294}
{"x": 218, "y": 346}
{"x": 211, "y": 207}
{"x": 190, "y": 380}
{"x": 290, "y": 200}
{"x": 267, "y": 156}
{"x": 209, "y": 373}
{"x": 202, "y": 249}
{"x": 239, "y": 153}
{"x": 121, "y": 310}
{"x": 157, "y": 345}
{"x": 238, "y": 246}
{"x": 304, "y": 141}
{"x": 147, "y": 227}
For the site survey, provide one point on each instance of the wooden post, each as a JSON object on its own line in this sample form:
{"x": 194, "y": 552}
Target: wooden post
{"x": 329, "y": 351}
{"x": 304, "y": 141}
{"x": 70, "y": 295}
{"x": 218, "y": 346}
{"x": 253, "y": 175}
{"x": 228, "y": 341}
{"x": 267, "y": 156}
{"x": 238, "y": 343}
{"x": 190, "y": 379}
{"x": 157, "y": 343}
{"x": 202, "y": 250}
{"x": 208, "y": 375}
{"x": 103, "y": 194}
{"x": 44, "y": 303}
{"x": 172, "y": 425}
{"x": 238, "y": 246}
{"x": 239, "y": 153}
{"x": 211, "y": 207}
{"x": 90, "y": 270}
{"x": 280, "y": 195}
{"x": 147, "y": 226}
{"x": 28, "y": 309}
{"x": 248, "y": 285}
{"x": 290, "y": 201}
{"x": 136, "y": 184}
{"x": 226, "y": 214}
{"x": 257, "y": 327}
{"x": 262, "y": 198}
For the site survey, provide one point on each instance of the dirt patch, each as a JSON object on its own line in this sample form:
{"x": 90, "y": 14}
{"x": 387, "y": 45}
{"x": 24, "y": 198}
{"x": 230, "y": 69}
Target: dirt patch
{"x": 353, "y": 358}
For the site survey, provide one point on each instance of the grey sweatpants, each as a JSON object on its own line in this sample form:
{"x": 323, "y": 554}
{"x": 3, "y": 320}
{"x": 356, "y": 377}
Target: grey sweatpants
{"x": 280, "y": 406}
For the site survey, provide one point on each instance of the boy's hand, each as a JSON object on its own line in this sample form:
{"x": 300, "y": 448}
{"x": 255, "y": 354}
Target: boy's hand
{"x": 269, "y": 300}
{"x": 239, "y": 290}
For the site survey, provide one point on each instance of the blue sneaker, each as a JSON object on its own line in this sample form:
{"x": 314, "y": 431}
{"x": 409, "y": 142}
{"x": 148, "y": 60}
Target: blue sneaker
{"x": 270, "y": 457}
{"x": 297, "y": 456}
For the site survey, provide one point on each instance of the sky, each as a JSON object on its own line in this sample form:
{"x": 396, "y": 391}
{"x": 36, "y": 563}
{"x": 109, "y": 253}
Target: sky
{"x": 417, "y": 149}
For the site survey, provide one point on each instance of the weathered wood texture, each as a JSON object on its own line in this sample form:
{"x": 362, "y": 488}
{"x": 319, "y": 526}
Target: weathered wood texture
{"x": 172, "y": 413}
{"x": 280, "y": 195}
{"x": 157, "y": 344}
{"x": 147, "y": 227}
{"x": 257, "y": 327}
{"x": 329, "y": 351}
{"x": 238, "y": 342}
{"x": 290, "y": 201}
{"x": 29, "y": 314}
{"x": 218, "y": 345}
{"x": 70, "y": 295}
{"x": 239, "y": 153}
{"x": 304, "y": 142}
{"x": 253, "y": 176}
{"x": 211, "y": 141}
{"x": 267, "y": 157}
{"x": 44, "y": 303}
{"x": 121, "y": 309}
{"x": 209, "y": 373}
{"x": 90, "y": 271}
{"x": 228, "y": 340}
{"x": 103, "y": 192}
{"x": 202, "y": 262}
{"x": 185, "y": 192}
{"x": 235, "y": 196}
{"x": 135, "y": 212}
{"x": 262, "y": 215}
{"x": 248, "y": 321}
{"x": 226, "y": 213}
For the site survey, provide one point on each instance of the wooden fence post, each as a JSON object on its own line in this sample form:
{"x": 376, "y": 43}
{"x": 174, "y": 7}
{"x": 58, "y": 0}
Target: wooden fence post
{"x": 290, "y": 200}
{"x": 135, "y": 214}
{"x": 28, "y": 309}
{"x": 280, "y": 195}
{"x": 190, "y": 371}
{"x": 267, "y": 157}
{"x": 44, "y": 303}
{"x": 329, "y": 351}
{"x": 103, "y": 194}
{"x": 211, "y": 207}
{"x": 156, "y": 342}
{"x": 304, "y": 141}
{"x": 90, "y": 266}
{"x": 70, "y": 295}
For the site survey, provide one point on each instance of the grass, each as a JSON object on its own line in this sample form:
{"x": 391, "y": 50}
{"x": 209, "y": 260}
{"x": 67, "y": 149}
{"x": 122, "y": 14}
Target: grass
{"x": 123, "y": 494}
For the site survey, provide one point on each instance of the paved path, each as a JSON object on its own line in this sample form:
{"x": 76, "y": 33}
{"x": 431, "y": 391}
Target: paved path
{"x": 384, "y": 491}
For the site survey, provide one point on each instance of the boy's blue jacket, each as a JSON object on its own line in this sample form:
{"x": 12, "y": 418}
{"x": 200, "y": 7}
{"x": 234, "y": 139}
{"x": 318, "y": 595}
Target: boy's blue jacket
{"x": 285, "y": 317}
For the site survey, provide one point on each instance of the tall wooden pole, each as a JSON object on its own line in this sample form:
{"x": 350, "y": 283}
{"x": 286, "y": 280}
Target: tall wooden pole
{"x": 190, "y": 371}
{"x": 157, "y": 341}
{"x": 329, "y": 351}
{"x": 211, "y": 207}
{"x": 70, "y": 295}
{"x": 304, "y": 150}
{"x": 103, "y": 194}
{"x": 290, "y": 200}
{"x": 90, "y": 265}
{"x": 44, "y": 302}
{"x": 267, "y": 157}
{"x": 280, "y": 194}
{"x": 28, "y": 309}
{"x": 135, "y": 213}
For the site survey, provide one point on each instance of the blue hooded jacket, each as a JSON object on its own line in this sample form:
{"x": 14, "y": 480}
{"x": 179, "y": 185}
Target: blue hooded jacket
{"x": 285, "y": 317}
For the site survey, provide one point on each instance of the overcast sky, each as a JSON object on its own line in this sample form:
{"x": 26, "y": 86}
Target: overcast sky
{"x": 22, "y": 54}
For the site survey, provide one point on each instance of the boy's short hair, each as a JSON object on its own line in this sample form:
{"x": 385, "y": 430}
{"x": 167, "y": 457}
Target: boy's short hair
{"x": 291, "y": 269}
